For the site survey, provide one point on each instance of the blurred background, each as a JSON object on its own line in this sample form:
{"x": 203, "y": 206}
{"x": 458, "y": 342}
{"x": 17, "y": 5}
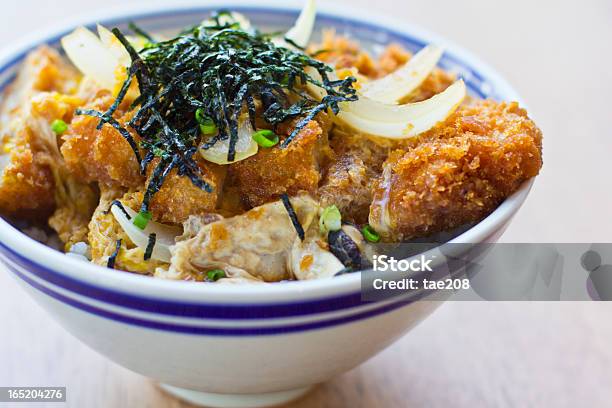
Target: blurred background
{"x": 557, "y": 55}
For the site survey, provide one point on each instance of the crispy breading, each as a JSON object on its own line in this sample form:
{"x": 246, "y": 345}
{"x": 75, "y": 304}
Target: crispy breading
{"x": 458, "y": 173}
{"x": 75, "y": 201}
{"x": 102, "y": 156}
{"x": 347, "y": 184}
{"x": 348, "y": 179}
{"x": 26, "y": 187}
{"x": 179, "y": 198}
{"x": 271, "y": 172}
{"x": 26, "y": 179}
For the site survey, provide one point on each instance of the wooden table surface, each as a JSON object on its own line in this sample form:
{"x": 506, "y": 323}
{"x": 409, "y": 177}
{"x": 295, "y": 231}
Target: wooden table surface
{"x": 558, "y": 56}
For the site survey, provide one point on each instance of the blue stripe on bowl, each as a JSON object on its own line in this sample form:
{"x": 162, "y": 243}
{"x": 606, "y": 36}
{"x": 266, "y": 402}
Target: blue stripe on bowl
{"x": 213, "y": 331}
{"x": 177, "y": 308}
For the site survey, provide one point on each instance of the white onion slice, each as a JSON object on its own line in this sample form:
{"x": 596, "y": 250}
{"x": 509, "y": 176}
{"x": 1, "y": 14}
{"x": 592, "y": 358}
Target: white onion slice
{"x": 316, "y": 91}
{"x": 402, "y": 82}
{"x": 165, "y": 234}
{"x": 114, "y": 45}
{"x": 401, "y": 121}
{"x": 91, "y": 56}
{"x": 245, "y": 145}
{"x": 301, "y": 31}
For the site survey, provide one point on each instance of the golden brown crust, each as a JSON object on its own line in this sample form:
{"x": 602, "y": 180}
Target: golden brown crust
{"x": 26, "y": 186}
{"x": 348, "y": 185}
{"x": 27, "y": 183}
{"x": 102, "y": 156}
{"x": 459, "y": 172}
{"x": 179, "y": 198}
{"x": 274, "y": 171}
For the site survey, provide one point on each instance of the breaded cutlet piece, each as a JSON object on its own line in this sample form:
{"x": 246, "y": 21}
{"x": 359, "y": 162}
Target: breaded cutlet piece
{"x": 26, "y": 180}
{"x": 459, "y": 172}
{"x": 273, "y": 171}
{"x": 178, "y": 198}
{"x": 348, "y": 178}
{"x": 102, "y": 156}
{"x": 348, "y": 184}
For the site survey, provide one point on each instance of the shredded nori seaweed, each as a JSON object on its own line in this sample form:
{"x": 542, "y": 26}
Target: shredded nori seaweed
{"x": 224, "y": 70}
{"x": 293, "y": 216}
{"x": 150, "y": 246}
{"x": 345, "y": 249}
{"x": 113, "y": 258}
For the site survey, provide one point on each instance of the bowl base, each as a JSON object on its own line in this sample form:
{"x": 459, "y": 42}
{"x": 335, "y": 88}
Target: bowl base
{"x": 208, "y": 399}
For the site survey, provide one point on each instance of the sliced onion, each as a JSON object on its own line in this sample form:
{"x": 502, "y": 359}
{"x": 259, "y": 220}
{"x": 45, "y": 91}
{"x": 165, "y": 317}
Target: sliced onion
{"x": 401, "y": 121}
{"x": 245, "y": 145}
{"x": 316, "y": 91}
{"x": 300, "y": 33}
{"x": 114, "y": 45}
{"x": 165, "y": 234}
{"x": 91, "y": 56}
{"x": 402, "y": 82}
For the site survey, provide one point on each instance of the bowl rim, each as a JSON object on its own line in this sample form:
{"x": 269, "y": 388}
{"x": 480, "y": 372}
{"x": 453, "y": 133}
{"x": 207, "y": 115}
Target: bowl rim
{"x": 184, "y": 291}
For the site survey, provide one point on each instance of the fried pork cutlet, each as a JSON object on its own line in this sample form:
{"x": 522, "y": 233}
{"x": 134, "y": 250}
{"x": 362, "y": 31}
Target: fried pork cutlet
{"x": 103, "y": 155}
{"x": 179, "y": 198}
{"x": 460, "y": 172}
{"x": 271, "y": 172}
{"x": 349, "y": 178}
{"x": 26, "y": 179}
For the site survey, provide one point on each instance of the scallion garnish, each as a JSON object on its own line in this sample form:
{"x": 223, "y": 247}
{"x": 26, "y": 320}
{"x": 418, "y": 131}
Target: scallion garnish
{"x": 58, "y": 126}
{"x": 369, "y": 234}
{"x": 207, "y": 125}
{"x": 265, "y": 138}
{"x": 142, "y": 219}
{"x": 215, "y": 275}
{"x": 330, "y": 220}
{"x": 293, "y": 216}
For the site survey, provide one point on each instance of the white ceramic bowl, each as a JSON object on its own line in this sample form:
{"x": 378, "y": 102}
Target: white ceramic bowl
{"x": 235, "y": 345}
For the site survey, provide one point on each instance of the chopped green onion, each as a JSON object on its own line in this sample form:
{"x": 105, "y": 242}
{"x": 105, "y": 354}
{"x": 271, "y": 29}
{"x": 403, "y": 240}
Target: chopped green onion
{"x": 331, "y": 220}
{"x": 207, "y": 125}
{"x": 199, "y": 115}
{"x": 265, "y": 138}
{"x": 142, "y": 219}
{"x": 58, "y": 126}
{"x": 369, "y": 234}
{"x": 215, "y": 275}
